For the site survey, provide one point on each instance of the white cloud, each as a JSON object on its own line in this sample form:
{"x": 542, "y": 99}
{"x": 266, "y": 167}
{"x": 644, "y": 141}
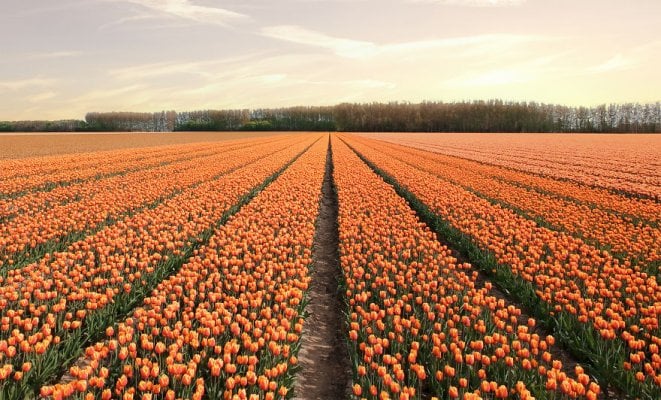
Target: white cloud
{"x": 343, "y": 47}
{"x": 474, "y": 3}
{"x": 126, "y": 20}
{"x": 492, "y": 78}
{"x": 207, "y": 69}
{"x": 351, "y": 48}
{"x": 629, "y": 58}
{"x": 153, "y": 70}
{"x": 108, "y": 93}
{"x": 21, "y": 84}
{"x": 53, "y": 54}
{"x": 469, "y": 43}
{"x": 186, "y": 9}
{"x": 23, "y": 58}
{"x": 511, "y": 74}
{"x": 270, "y": 79}
{"x": 264, "y": 79}
{"x": 370, "y": 84}
{"x": 39, "y": 97}
{"x": 616, "y": 63}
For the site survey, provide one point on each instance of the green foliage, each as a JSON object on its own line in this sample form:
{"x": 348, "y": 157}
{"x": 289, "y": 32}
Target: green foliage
{"x": 467, "y": 116}
{"x": 68, "y": 125}
{"x": 257, "y": 126}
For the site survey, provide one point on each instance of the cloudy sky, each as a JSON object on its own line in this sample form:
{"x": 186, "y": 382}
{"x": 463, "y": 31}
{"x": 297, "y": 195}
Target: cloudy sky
{"x": 60, "y": 59}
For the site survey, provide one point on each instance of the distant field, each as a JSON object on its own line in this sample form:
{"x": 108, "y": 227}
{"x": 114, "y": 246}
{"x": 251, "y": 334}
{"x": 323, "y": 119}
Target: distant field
{"x": 626, "y": 163}
{"x": 21, "y": 145}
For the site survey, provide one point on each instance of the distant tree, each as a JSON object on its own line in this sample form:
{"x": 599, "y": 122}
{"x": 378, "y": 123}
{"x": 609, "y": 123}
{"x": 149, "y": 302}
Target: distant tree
{"x": 492, "y": 115}
{"x": 6, "y": 126}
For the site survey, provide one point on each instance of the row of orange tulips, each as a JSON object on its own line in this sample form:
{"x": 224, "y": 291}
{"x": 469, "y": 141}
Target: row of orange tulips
{"x": 43, "y": 165}
{"x": 52, "y": 307}
{"x": 624, "y": 206}
{"x": 637, "y": 243}
{"x": 24, "y": 175}
{"x": 616, "y": 163}
{"x": 605, "y": 309}
{"x": 131, "y": 164}
{"x": 109, "y": 199}
{"x": 228, "y": 324}
{"x": 420, "y": 324}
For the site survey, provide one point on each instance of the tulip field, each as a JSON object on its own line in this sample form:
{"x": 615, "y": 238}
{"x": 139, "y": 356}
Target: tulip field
{"x": 464, "y": 269}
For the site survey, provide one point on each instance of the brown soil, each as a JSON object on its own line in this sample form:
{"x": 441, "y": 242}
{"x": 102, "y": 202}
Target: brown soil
{"x": 325, "y": 371}
{"x": 23, "y": 145}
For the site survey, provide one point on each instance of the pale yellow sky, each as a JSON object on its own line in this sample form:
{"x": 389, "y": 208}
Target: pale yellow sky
{"x": 63, "y": 59}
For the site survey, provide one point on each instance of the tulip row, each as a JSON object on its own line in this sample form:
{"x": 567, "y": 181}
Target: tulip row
{"x": 77, "y": 190}
{"x": 420, "y": 324}
{"x": 53, "y": 172}
{"x": 636, "y": 243}
{"x": 604, "y": 310}
{"x": 44, "y": 165}
{"x": 53, "y": 307}
{"x": 628, "y": 165}
{"x": 629, "y": 208}
{"x": 37, "y": 232}
{"x": 228, "y": 324}
{"x": 46, "y": 173}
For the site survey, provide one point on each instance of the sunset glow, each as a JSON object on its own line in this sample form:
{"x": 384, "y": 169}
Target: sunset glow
{"x": 63, "y": 59}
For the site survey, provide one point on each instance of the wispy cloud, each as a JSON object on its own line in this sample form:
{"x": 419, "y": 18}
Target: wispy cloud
{"x": 146, "y": 71}
{"x": 474, "y": 3}
{"x": 641, "y": 55}
{"x": 127, "y": 20}
{"x": 52, "y": 54}
{"x": 352, "y": 48}
{"x": 371, "y": 84}
{"x": 503, "y": 76}
{"x": 22, "y": 57}
{"x": 340, "y": 46}
{"x": 43, "y": 96}
{"x": 203, "y": 68}
{"x": 108, "y": 93}
{"x": 488, "y": 41}
{"x": 616, "y": 63}
{"x": 50, "y": 7}
{"x": 259, "y": 79}
{"x": 187, "y": 10}
{"x": 510, "y": 74}
{"x": 21, "y": 84}
{"x": 271, "y": 79}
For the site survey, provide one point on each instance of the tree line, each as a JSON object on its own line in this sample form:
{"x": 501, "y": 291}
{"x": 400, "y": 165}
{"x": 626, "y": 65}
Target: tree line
{"x": 469, "y": 116}
{"x": 276, "y": 119}
{"x": 497, "y": 116}
{"x": 164, "y": 121}
{"x": 65, "y": 125}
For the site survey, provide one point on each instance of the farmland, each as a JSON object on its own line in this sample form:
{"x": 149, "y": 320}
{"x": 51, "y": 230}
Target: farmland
{"x": 47, "y": 144}
{"x": 315, "y": 265}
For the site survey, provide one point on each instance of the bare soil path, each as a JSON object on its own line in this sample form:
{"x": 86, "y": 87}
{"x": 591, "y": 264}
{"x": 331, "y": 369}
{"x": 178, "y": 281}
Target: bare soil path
{"x": 325, "y": 371}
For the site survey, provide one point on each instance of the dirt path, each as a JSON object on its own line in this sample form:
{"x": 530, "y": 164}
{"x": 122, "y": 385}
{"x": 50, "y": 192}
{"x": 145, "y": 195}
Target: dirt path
{"x": 325, "y": 371}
